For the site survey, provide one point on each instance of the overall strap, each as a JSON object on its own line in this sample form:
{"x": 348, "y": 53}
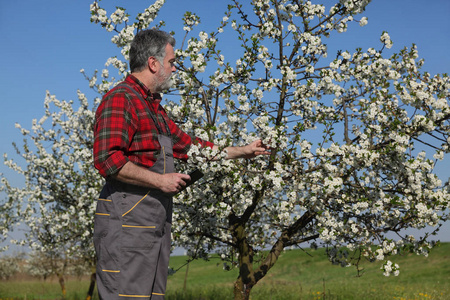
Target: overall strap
{"x": 149, "y": 110}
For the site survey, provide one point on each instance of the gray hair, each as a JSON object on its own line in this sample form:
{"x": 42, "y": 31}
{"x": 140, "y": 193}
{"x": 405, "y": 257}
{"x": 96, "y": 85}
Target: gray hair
{"x": 148, "y": 43}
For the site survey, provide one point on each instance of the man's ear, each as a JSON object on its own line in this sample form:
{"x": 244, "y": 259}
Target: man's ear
{"x": 152, "y": 64}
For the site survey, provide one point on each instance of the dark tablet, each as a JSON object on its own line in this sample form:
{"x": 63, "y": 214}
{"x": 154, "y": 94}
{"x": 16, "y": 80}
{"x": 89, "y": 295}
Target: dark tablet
{"x": 195, "y": 175}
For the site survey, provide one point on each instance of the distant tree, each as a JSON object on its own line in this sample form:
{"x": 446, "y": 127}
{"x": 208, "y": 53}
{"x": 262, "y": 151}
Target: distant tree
{"x": 355, "y": 136}
{"x": 45, "y": 265}
{"x": 57, "y": 201}
{"x": 42, "y": 266}
{"x": 10, "y": 265}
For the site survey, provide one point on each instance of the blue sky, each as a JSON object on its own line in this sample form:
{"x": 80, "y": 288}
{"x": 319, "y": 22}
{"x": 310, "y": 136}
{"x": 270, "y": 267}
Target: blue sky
{"x": 44, "y": 44}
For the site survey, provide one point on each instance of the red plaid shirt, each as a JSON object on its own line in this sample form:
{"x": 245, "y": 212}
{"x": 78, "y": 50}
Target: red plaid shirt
{"x": 124, "y": 132}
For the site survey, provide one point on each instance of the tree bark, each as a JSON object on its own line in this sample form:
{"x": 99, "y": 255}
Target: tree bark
{"x": 62, "y": 284}
{"x": 185, "y": 279}
{"x": 241, "y": 290}
{"x": 246, "y": 279}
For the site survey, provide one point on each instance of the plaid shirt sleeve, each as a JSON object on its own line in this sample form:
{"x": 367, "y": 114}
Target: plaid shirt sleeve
{"x": 115, "y": 125}
{"x": 182, "y": 141}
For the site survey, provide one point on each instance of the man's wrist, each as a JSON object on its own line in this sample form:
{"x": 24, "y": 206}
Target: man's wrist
{"x": 246, "y": 150}
{"x": 155, "y": 180}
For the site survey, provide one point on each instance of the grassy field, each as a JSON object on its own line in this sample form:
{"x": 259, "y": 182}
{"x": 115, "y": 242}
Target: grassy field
{"x": 296, "y": 275}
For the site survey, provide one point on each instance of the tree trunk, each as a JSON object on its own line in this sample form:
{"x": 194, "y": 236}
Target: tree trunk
{"x": 91, "y": 287}
{"x": 246, "y": 279}
{"x": 242, "y": 290}
{"x": 185, "y": 279}
{"x": 62, "y": 284}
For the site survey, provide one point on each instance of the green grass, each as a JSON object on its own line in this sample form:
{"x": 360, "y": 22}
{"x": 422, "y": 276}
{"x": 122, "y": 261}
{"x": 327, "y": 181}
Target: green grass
{"x": 296, "y": 275}
{"x": 43, "y": 290}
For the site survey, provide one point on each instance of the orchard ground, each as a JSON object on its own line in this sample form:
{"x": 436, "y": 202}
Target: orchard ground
{"x": 298, "y": 275}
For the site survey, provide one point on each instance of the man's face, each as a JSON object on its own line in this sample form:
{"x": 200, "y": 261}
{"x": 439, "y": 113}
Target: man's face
{"x": 165, "y": 81}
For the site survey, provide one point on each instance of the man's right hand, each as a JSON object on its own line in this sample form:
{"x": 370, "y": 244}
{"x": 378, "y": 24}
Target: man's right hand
{"x": 172, "y": 183}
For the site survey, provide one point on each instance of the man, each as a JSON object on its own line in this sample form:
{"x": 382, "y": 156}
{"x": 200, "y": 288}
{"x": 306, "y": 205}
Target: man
{"x": 135, "y": 144}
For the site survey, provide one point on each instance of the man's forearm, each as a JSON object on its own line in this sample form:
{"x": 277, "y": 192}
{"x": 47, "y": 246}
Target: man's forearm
{"x": 249, "y": 151}
{"x": 234, "y": 152}
{"x": 136, "y": 175}
{"x": 168, "y": 183}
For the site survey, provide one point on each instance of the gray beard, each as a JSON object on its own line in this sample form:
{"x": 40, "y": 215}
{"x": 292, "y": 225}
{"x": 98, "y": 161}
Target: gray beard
{"x": 165, "y": 84}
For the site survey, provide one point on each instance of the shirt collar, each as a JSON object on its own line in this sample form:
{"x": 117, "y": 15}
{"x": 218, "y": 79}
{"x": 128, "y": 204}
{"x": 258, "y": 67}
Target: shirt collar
{"x": 143, "y": 89}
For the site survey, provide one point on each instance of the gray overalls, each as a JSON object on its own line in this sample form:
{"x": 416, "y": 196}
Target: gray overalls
{"x": 132, "y": 233}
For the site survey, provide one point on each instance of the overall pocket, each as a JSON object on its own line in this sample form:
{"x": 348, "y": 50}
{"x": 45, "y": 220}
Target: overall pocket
{"x": 143, "y": 220}
{"x": 107, "y": 268}
{"x": 101, "y": 218}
